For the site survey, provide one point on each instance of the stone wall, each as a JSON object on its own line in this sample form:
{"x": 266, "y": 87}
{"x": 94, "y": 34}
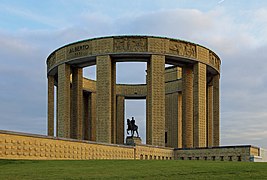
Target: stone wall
{"x": 223, "y": 153}
{"x": 148, "y": 152}
{"x": 14, "y": 145}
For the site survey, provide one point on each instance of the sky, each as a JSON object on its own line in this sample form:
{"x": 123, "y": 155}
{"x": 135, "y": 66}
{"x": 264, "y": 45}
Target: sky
{"x": 236, "y": 30}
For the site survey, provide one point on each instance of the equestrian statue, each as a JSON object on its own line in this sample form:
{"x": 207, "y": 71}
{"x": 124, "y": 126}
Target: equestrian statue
{"x": 132, "y": 127}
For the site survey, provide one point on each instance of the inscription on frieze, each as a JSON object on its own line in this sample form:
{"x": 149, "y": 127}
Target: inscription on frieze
{"x": 183, "y": 49}
{"x": 131, "y": 44}
{"x": 78, "y": 50}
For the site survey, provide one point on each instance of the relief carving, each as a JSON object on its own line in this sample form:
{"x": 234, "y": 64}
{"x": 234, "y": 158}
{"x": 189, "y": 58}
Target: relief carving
{"x": 130, "y": 44}
{"x": 212, "y": 59}
{"x": 183, "y": 49}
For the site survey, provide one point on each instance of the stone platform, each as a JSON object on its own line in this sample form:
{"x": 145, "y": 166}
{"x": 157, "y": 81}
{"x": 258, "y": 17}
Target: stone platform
{"x": 132, "y": 140}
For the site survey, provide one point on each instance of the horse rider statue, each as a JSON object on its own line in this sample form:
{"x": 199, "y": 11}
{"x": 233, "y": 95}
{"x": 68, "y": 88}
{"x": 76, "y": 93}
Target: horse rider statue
{"x": 132, "y": 127}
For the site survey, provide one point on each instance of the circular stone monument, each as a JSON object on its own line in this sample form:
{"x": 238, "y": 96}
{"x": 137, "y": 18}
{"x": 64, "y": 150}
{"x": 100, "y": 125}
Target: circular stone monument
{"x": 182, "y": 101}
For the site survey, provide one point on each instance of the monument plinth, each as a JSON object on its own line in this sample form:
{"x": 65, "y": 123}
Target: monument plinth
{"x": 132, "y": 140}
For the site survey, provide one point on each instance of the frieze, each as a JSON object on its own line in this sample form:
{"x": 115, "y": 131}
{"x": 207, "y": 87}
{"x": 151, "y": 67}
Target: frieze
{"x": 202, "y": 54}
{"x": 102, "y": 46}
{"x": 158, "y": 45}
{"x": 183, "y": 49}
{"x": 214, "y": 61}
{"x": 60, "y": 55}
{"x": 52, "y": 60}
{"x": 133, "y": 44}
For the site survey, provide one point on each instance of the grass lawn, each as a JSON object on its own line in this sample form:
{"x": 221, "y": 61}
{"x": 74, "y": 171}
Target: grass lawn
{"x": 130, "y": 169}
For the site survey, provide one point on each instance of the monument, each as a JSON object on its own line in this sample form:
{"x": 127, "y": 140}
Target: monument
{"x": 182, "y": 100}
{"x": 182, "y": 105}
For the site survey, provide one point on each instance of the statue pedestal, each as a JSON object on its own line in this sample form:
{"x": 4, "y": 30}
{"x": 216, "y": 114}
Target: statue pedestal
{"x": 132, "y": 141}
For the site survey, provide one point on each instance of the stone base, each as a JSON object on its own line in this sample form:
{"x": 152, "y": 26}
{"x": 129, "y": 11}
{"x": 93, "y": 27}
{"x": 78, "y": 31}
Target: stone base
{"x": 132, "y": 141}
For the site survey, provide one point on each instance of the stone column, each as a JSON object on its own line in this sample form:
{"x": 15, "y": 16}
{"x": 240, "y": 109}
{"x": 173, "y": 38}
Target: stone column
{"x": 77, "y": 100}
{"x": 156, "y": 100}
{"x": 86, "y": 132}
{"x": 105, "y": 99}
{"x": 210, "y": 115}
{"x": 169, "y": 120}
{"x": 199, "y": 99}
{"x": 148, "y": 106}
{"x": 92, "y": 116}
{"x": 187, "y": 106}
{"x": 50, "y": 106}
{"x": 114, "y": 104}
{"x": 180, "y": 123}
{"x": 120, "y": 119}
{"x": 64, "y": 100}
{"x": 57, "y": 112}
{"x": 73, "y": 124}
{"x": 173, "y": 119}
{"x": 216, "y": 110}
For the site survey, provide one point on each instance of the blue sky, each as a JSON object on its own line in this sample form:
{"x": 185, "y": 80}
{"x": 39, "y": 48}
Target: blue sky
{"x": 236, "y": 30}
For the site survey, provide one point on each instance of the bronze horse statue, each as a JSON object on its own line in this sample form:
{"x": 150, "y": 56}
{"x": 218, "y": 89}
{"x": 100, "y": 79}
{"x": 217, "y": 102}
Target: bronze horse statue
{"x": 132, "y": 127}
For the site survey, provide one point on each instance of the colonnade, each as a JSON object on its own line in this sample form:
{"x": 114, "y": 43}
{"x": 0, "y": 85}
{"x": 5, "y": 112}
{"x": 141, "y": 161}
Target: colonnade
{"x": 181, "y": 112}
{"x": 190, "y": 117}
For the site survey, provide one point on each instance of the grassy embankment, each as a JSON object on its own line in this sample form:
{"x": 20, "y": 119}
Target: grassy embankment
{"x": 116, "y": 169}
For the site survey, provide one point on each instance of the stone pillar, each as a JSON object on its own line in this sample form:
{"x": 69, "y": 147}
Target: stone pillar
{"x": 92, "y": 116}
{"x": 173, "y": 119}
{"x": 148, "y": 106}
{"x": 106, "y": 90}
{"x": 210, "y": 115}
{"x": 180, "y": 123}
{"x": 216, "y": 110}
{"x": 156, "y": 100}
{"x": 120, "y": 119}
{"x": 57, "y": 112}
{"x": 187, "y": 106}
{"x": 199, "y": 99}
{"x": 169, "y": 120}
{"x": 86, "y": 132}
{"x": 50, "y": 106}
{"x": 114, "y": 104}
{"x": 64, "y": 101}
{"x": 73, "y": 124}
{"x": 77, "y": 100}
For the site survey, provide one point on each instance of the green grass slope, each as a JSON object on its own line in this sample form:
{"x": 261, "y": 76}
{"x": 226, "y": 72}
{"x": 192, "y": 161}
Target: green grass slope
{"x": 124, "y": 169}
